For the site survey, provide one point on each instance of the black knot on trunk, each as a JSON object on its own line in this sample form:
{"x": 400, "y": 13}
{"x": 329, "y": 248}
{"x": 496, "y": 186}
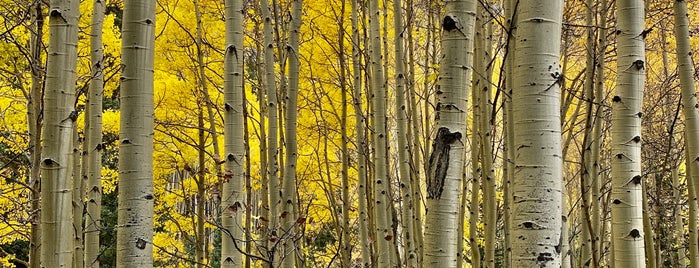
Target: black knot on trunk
{"x": 448, "y": 23}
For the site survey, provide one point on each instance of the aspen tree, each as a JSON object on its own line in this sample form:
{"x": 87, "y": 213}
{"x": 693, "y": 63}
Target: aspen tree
{"x": 382, "y": 206}
{"x": 273, "y": 132}
{"x": 483, "y": 87}
{"x": 345, "y": 249}
{"x": 692, "y": 222}
{"x": 288, "y": 214}
{"x": 93, "y": 219}
{"x": 446, "y": 162}
{"x": 627, "y": 218}
{"x": 586, "y": 243}
{"x": 34, "y": 122}
{"x": 135, "y": 213}
{"x": 57, "y": 135}
{"x": 406, "y": 192}
{"x": 364, "y": 223}
{"x": 414, "y": 134}
{"x": 78, "y": 189}
{"x": 510, "y": 15}
{"x": 689, "y": 98}
{"x": 537, "y": 185}
{"x": 597, "y": 135}
{"x": 232, "y": 199}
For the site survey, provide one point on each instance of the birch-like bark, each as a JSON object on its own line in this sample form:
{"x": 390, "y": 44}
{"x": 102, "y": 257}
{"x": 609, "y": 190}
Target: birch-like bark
{"x": 406, "y": 192}
{"x": 537, "y": 185}
{"x": 289, "y": 192}
{"x": 382, "y": 206}
{"x": 446, "y": 162}
{"x": 34, "y": 115}
{"x": 692, "y": 222}
{"x": 597, "y": 134}
{"x": 364, "y": 223}
{"x": 93, "y": 219}
{"x": 483, "y": 87}
{"x": 648, "y": 233}
{"x": 272, "y": 147}
{"x": 511, "y": 16}
{"x": 586, "y": 247}
{"x": 627, "y": 218}
{"x": 232, "y": 199}
{"x": 57, "y": 137}
{"x": 78, "y": 190}
{"x": 346, "y": 246}
{"x": 135, "y": 213}
{"x": 689, "y": 98}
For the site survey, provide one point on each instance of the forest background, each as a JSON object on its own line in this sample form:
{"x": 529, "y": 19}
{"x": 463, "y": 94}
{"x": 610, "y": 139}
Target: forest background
{"x": 336, "y": 150}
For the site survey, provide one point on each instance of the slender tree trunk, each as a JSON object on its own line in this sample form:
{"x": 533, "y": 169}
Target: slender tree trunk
{"x": 510, "y": 13}
{"x": 78, "y": 190}
{"x": 382, "y": 207}
{"x": 346, "y": 247}
{"x": 692, "y": 222}
{"x": 446, "y": 163}
{"x": 364, "y": 223}
{"x": 680, "y": 258}
{"x": 648, "y": 230}
{"x": 232, "y": 201}
{"x": 414, "y": 134}
{"x": 57, "y": 138}
{"x": 272, "y": 148}
{"x": 483, "y": 77}
{"x": 537, "y": 185}
{"x": 586, "y": 230}
{"x": 409, "y": 251}
{"x": 135, "y": 223}
{"x": 34, "y": 116}
{"x": 476, "y": 148}
{"x": 289, "y": 200}
{"x": 199, "y": 234}
{"x": 627, "y": 216}
{"x": 93, "y": 219}
{"x": 597, "y": 135}
{"x": 689, "y": 98}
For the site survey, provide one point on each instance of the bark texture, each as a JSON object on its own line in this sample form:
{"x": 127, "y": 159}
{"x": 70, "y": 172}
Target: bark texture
{"x": 59, "y": 117}
{"x": 446, "y": 161}
{"x": 627, "y": 218}
{"x": 536, "y": 189}
{"x": 135, "y": 213}
{"x": 232, "y": 200}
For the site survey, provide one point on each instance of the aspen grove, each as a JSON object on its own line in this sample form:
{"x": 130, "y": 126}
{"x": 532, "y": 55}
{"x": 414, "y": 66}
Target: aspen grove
{"x": 349, "y": 133}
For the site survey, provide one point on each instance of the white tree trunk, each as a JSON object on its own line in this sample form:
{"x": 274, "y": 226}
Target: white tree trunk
{"x": 446, "y": 162}
{"x": 289, "y": 192}
{"x": 627, "y": 218}
{"x": 135, "y": 213}
{"x": 364, "y": 223}
{"x": 93, "y": 219}
{"x": 232, "y": 199}
{"x": 537, "y": 185}
{"x": 401, "y": 110}
{"x": 59, "y": 118}
{"x": 382, "y": 207}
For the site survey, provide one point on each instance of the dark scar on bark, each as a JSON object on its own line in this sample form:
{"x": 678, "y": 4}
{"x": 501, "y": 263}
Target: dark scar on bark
{"x": 439, "y": 161}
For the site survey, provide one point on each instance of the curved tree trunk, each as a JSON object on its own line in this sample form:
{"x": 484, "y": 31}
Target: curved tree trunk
{"x": 446, "y": 162}
{"x": 135, "y": 223}
{"x": 627, "y": 218}
{"x": 536, "y": 189}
